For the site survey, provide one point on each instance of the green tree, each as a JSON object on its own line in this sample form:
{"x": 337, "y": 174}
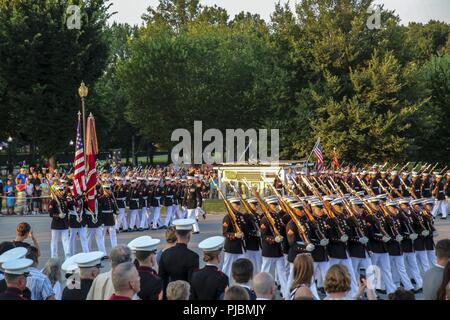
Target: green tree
{"x": 214, "y": 73}
{"x": 42, "y": 65}
{"x": 433, "y": 83}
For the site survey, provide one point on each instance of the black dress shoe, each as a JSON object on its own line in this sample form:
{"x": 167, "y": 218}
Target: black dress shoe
{"x": 417, "y": 290}
{"x": 140, "y": 229}
{"x": 381, "y": 291}
{"x": 196, "y": 232}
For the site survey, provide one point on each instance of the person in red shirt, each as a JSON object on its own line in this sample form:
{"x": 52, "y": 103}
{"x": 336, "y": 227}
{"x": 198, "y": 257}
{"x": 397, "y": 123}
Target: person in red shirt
{"x": 126, "y": 282}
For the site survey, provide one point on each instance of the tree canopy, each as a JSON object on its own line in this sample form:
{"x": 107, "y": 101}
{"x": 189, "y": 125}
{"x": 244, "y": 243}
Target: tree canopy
{"x": 315, "y": 70}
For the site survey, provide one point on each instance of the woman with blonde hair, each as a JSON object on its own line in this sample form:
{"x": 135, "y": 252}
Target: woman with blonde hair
{"x": 52, "y": 270}
{"x": 303, "y": 278}
{"x": 338, "y": 285}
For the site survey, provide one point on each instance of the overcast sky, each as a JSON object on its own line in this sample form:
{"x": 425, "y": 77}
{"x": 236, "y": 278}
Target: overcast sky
{"x": 130, "y": 11}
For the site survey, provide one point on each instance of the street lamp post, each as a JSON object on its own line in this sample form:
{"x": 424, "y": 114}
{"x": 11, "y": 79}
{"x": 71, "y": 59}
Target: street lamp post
{"x": 83, "y": 92}
{"x": 10, "y": 140}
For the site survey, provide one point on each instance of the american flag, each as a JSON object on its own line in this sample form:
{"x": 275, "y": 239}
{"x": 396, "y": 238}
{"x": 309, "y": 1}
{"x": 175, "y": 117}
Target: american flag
{"x": 318, "y": 153}
{"x": 79, "y": 179}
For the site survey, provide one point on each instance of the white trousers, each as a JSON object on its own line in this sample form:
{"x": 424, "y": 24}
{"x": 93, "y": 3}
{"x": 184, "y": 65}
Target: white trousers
{"x": 360, "y": 263}
{"x": 412, "y": 268}
{"x": 422, "y": 261}
{"x": 122, "y": 220}
{"x": 178, "y": 212}
{"x": 399, "y": 272}
{"x": 143, "y": 213}
{"x": 133, "y": 214}
{"x": 169, "y": 215}
{"x": 431, "y": 257}
{"x": 156, "y": 213}
{"x": 277, "y": 264}
{"x": 192, "y": 214}
{"x": 255, "y": 257}
{"x": 348, "y": 263}
{"x": 64, "y": 236}
{"x": 82, "y": 233}
{"x": 440, "y": 206}
{"x": 112, "y": 235}
{"x": 99, "y": 238}
{"x": 320, "y": 271}
{"x": 228, "y": 259}
{"x": 381, "y": 260}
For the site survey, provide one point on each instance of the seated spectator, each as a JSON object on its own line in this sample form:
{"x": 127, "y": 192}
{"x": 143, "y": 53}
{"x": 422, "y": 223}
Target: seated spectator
{"x": 178, "y": 290}
{"x": 338, "y": 284}
{"x": 432, "y": 279}
{"x": 52, "y": 270}
{"x": 242, "y": 273}
{"x": 38, "y": 283}
{"x": 23, "y": 232}
{"x": 102, "y": 287}
{"x": 441, "y": 294}
{"x": 264, "y": 286}
{"x": 236, "y": 293}
{"x": 126, "y": 281}
{"x": 303, "y": 277}
{"x": 402, "y": 294}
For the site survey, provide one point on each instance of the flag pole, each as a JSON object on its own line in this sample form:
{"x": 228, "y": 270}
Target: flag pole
{"x": 310, "y": 154}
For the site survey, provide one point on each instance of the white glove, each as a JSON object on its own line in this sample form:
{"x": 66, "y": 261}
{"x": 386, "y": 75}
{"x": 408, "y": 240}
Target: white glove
{"x": 278, "y": 239}
{"x": 386, "y": 239}
{"x": 62, "y": 215}
{"x": 239, "y": 235}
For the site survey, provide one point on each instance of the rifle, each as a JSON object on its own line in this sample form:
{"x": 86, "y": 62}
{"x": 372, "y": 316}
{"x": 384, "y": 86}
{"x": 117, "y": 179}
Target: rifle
{"x": 343, "y": 237}
{"x": 323, "y": 240}
{"x": 300, "y": 228}
{"x": 246, "y": 205}
{"x": 431, "y": 170}
{"x": 352, "y": 217}
{"x": 386, "y": 214}
{"x": 230, "y": 211}
{"x": 443, "y": 170}
{"x": 370, "y": 212}
{"x": 410, "y": 189}
{"x": 403, "y": 168}
{"x": 267, "y": 215}
{"x": 413, "y": 235}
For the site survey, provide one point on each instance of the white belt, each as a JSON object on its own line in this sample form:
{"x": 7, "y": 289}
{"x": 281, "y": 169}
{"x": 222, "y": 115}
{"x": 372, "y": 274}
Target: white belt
{"x": 121, "y": 199}
{"x": 157, "y": 198}
{"x": 145, "y": 198}
{"x": 108, "y": 211}
{"x": 135, "y": 199}
{"x": 169, "y": 197}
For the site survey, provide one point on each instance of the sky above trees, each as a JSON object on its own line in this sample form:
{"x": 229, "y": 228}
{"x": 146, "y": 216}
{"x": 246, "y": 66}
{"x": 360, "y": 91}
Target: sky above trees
{"x": 130, "y": 11}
